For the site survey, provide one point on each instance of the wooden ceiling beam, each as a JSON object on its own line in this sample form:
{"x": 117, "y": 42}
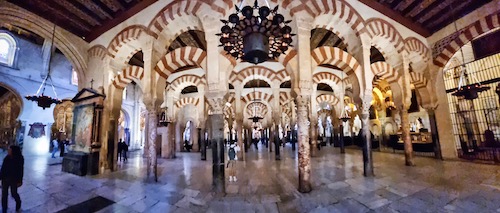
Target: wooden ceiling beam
{"x": 119, "y": 18}
{"x": 397, "y": 17}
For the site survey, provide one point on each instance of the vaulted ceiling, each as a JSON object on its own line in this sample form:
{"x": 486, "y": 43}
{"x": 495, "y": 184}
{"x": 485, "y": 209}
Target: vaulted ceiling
{"x": 425, "y": 16}
{"x": 85, "y": 18}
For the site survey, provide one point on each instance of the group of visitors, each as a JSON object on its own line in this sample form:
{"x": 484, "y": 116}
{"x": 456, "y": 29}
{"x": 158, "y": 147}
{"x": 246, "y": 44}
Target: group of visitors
{"x": 122, "y": 150}
{"x": 59, "y": 145}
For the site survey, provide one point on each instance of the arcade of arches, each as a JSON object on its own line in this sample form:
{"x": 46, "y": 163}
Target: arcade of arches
{"x": 170, "y": 88}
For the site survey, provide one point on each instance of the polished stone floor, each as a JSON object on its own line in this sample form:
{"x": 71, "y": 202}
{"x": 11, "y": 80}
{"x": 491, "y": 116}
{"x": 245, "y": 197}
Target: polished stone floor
{"x": 266, "y": 185}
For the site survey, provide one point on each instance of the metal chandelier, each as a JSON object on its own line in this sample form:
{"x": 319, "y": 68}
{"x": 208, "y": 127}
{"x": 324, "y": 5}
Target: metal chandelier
{"x": 258, "y": 38}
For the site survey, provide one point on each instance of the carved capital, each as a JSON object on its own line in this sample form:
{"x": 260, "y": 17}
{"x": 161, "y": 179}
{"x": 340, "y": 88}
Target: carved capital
{"x": 216, "y": 105}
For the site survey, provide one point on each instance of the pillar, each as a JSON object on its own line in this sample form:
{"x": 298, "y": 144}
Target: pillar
{"x": 239, "y": 136}
{"x": 304, "y": 147}
{"x": 314, "y": 137}
{"x": 152, "y": 125}
{"x": 341, "y": 139}
{"x": 170, "y": 148}
{"x": 276, "y": 136}
{"x": 203, "y": 145}
{"x": 216, "y": 120}
{"x": 434, "y": 133}
{"x": 405, "y": 120}
{"x": 366, "y": 136}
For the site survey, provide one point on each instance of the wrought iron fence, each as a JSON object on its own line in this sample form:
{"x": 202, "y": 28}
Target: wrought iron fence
{"x": 476, "y": 123}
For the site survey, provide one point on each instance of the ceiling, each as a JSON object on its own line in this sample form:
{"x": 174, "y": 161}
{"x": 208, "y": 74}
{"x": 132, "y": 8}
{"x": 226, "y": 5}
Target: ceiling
{"x": 192, "y": 38}
{"x": 90, "y": 18}
{"x": 322, "y": 37}
{"x": 85, "y": 18}
{"x": 425, "y": 16}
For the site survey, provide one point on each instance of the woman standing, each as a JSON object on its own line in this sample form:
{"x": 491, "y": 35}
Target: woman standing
{"x": 11, "y": 174}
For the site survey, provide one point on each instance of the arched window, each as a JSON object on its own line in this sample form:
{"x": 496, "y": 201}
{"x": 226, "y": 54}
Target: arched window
{"x": 74, "y": 77}
{"x": 8, "y": 48}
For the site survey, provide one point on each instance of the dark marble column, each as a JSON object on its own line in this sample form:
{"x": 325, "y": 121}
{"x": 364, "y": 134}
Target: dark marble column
{"x": 341, "y": 139}
{"x": 277, "y": 143}
{"x": 366, "y": 136}
{"x": 217, "y": 140}
{"x": 201, "y": 141}
{"x": 434, "y": 133}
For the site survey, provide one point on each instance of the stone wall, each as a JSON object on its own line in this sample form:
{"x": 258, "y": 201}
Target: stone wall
{"x": 24, "y": 78}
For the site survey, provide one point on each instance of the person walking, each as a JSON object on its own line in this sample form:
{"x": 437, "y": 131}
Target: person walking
{"x": 232, "y": 155}
{"x": 55, "y": 146}
{"x": 11, "y": 174}
{"x": 120, "y": 149}
{"x": 125, "y": 150}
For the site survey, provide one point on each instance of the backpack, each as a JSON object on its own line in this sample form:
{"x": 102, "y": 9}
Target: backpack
{"x": 231, "y": 153}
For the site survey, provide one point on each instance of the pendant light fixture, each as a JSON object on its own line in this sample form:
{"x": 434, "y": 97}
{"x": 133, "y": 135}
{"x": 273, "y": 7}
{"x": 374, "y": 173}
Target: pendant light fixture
{"x": 255, "y": 39}
{"x": 43, "y": 100}
{"x": 255, "y": 119}
{"x": 466, "y": 89}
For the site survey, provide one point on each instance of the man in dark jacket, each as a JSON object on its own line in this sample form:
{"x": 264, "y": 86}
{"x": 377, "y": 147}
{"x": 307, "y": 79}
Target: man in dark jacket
{"x": 11, "y": 174}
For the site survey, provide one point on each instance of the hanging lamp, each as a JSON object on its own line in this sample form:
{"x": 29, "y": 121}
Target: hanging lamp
{"x": 255, "y": 39}
{"x": 42, "y": 100}
{"x": 465, "y": 89}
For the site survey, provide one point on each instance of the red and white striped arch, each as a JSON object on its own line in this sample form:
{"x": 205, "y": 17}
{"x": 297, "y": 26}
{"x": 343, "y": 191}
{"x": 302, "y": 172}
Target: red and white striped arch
{"x": 98, "y": 51}
{"x": 413, "y": 44}
{"x": 377, "y": 27}
{"x": 418, "y": 80}
{"x": 325, "y": 77}
{"x": 257, "y": 95}
{"x": 186, "y": 101}
{"x": 327, "y": 98}
{"x": 340, "y": 10}
{"x": 257, "y": 108}
{"x": 181, "y": 57}
{"x": 167, "y": 18}
{"x": 127, "y": 36}
{"x": 129, "y": 74}
{"x": 285, "y": 97}
{"x": 259, "y": 71}
{"x": 385, "y": 71}
{"x": 472, "y": 31}
{"x": 186, "y": 80}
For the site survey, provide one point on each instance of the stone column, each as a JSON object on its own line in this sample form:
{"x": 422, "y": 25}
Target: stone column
{"x": 366, "y": 136}
{"x": 405, "y": 121}
{"x": 434, "y": 133}
{"x": 170, "y": 152}
{"x": 152, "y": 155}
{"x": 194, "y": 138}
{"x": 341, "y": 139}
{"x": 203, "y": 144}
{"x": 276, "y": 137}
{"x": 314, "y": 135}
{"x": 217, "y": 139}
{"x": 304, "y": 147}
{"x": 239, "y": 135}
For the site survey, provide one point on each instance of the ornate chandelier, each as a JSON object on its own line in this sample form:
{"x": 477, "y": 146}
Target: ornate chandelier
{"x": 256, "y": 39}
{"x": 43, "y": 100}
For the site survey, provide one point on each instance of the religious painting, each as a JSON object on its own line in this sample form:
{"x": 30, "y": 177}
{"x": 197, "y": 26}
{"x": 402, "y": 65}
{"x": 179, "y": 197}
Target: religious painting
{"x": 82, "y": 122}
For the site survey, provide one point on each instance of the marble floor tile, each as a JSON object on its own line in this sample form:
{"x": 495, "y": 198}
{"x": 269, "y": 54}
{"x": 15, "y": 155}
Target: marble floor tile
{"x": 266, "y": 185}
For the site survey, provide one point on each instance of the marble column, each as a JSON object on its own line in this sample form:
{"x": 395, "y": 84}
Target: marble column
{"x": 366, "y": 136}
{"x": 434, "y": 133}
{"x": 276, "y": 137}
{"x": 239, "y": 136}
{"x": 203, "y": 144}
{"x": 405, "y": 128}
{"x": 341, "y": 139}
{"x": 217, "y": 141}
{"x": 170, "y": 141}
{"x": 304, "y": 147}
{"x": 313, "y": 135}
{"x": 152, "y": 155}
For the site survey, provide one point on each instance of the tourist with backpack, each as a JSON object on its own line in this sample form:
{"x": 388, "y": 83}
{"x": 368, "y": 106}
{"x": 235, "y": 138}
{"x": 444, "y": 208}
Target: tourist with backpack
{"x": 232, "y": 155}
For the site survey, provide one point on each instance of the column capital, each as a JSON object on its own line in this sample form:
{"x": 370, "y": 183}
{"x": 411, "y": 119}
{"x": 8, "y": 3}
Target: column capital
{"x": 216, "y": 105}
{"x": 151, "y": 103}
